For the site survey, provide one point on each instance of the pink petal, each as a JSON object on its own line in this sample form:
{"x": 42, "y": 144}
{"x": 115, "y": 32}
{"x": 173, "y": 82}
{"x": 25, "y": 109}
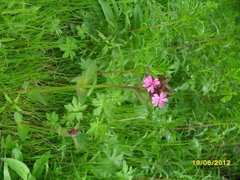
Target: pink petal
{"x": 155, "y": 96}
{"x": 163, "y": 95}
{"x": 148, "y": 81}
{"x": 161, "y": 104}
{"x": 156, "y": 82}
{"x": 155, "y": 99}
{"x": 151, "y": 89}
{"x": 146, "y": 84}
{"x": 165, "y": 100}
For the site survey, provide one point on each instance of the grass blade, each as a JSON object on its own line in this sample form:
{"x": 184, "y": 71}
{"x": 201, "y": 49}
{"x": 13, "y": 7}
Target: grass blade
{"x": 108, "y": 13}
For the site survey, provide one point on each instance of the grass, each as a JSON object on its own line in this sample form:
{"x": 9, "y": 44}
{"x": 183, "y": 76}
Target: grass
{"x": 72, "y": 104}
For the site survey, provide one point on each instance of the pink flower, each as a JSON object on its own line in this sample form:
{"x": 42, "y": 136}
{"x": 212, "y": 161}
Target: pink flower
{"x": 151, "y": 83}
{"x": 159, "y": 100}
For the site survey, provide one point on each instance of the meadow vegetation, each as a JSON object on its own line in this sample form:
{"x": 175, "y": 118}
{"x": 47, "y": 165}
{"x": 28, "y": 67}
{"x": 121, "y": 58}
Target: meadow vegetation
{"x": 72, "y": 102}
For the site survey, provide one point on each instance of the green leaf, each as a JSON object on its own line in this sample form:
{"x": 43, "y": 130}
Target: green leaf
{"x": 196, "y": 146}
{"x": 19, "y": 167}
{"x": 9, "y": 143}
{"x": 6, "y": 174}
{"x": 138, "y": 16}
{"x": 97, "y": 130}
{"x": 69, "y": 48}
{"x": 82, "y": 94}
{"x": 18, "y": 117}
{"x": 97, "y": 111}
{"x": 75, "y": 106}
{"x": 80, "y": 142}
{"x": 108, "y": 13}
{"x": 8, "y": 98}
{"x": 81, "y": 31}
{"x": 31, "y": 177}
{"x": 53, "y": 122}
{"x": 17, "y": 108}
{"x": 22, "y": 131}
{"x": 52, "y": 117}
{"x": 16, "y": 99}
{"x": 17, "y": 154}
{"x": 37, "y": 96}
{"x": 184, "y": 87}
{"x": 114, "y": 155}
{"x": 116, "y": 9}
{"x": 86, "y": 78}
{"x": 226, "y": 98}
{"x": 55, "y": 27}
{"x": 90, "y": 72}
{"x": 39, "y": 165}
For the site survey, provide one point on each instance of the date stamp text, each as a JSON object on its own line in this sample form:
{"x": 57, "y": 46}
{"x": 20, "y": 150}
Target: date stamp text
{"x": 211, "y": 162}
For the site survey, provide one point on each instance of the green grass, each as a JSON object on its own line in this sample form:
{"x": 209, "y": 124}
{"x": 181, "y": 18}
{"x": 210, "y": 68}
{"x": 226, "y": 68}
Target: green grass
{"x": 80, "y": 64}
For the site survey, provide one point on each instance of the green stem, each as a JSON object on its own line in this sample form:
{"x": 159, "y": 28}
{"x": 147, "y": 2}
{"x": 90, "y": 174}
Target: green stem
{"x": 74, "y": 87}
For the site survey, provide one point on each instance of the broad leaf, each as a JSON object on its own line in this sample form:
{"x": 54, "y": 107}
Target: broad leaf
{"x": 19, "y": 167}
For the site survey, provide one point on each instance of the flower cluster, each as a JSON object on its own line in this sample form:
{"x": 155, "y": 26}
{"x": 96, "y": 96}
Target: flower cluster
{"x": 154, "y": 88}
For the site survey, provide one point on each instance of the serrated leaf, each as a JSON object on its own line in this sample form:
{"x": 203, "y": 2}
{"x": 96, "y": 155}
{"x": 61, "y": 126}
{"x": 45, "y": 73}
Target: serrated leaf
{"x": 97, "y": 130}
{"x": 80, "y": 32}
{"x": 52, "y": 117}
{"x": 19, "y": 167}
{"x": 79, "y": 116}
{"x": 69, "y": 48}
